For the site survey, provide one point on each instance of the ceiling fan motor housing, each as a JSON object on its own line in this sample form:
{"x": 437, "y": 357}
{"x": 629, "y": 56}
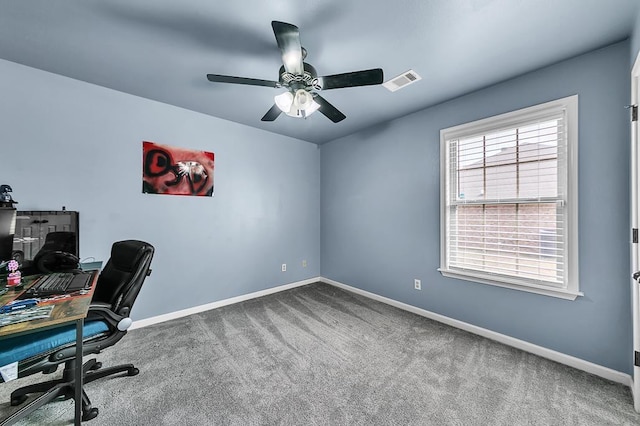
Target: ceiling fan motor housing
{"x": 307, "y": 81}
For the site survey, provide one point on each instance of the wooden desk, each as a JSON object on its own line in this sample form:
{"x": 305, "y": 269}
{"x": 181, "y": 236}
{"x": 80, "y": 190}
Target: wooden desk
{"x": 65, "y": 311}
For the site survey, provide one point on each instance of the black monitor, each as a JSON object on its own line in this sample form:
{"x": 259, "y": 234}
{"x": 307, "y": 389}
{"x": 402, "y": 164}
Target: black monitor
{"x": 7, "y": 230}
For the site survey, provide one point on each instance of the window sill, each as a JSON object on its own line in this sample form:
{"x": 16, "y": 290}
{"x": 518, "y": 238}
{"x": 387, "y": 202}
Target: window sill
{"x": 531, "y": 288}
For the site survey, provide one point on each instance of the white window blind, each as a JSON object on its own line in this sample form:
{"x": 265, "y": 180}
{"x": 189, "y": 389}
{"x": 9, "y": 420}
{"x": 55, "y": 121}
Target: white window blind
{"x": 506, "y": 199}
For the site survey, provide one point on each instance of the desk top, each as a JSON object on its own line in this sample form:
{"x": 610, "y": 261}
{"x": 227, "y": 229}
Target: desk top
{"x": 66, "y": 309}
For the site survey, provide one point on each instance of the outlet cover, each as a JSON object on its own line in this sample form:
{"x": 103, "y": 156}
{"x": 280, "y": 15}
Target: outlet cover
{"x": 417, "y": 284}
{"x": 284, "y": 267}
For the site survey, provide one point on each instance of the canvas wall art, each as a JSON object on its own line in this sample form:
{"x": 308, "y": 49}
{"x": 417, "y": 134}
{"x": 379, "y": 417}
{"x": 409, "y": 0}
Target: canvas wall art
{"x": 176, "y": 171}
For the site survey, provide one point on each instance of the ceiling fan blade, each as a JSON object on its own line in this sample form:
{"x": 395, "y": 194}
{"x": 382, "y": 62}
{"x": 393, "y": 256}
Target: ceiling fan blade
{"x": 288, "y": 38}
{"x": 352, "y": 79}
{"x": 272, "y": 114}
{"x": 216, "y": 78}
{"x": 331, "y": 112}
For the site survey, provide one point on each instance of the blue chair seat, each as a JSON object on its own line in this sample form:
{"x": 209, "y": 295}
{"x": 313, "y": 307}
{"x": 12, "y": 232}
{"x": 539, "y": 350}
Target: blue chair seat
{"x": 27, "y": 345}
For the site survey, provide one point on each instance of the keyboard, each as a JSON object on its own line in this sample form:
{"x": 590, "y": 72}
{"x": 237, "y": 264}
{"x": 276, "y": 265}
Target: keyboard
{"x": 60, "y": 283}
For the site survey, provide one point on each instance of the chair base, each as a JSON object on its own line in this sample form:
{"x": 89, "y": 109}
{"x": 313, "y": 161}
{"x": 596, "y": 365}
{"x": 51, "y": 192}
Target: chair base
{"x": 99, "y": 372}
{"x": 65, "y": 388}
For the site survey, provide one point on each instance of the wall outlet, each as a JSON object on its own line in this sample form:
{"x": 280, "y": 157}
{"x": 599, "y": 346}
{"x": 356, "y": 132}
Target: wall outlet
{"x": 284, "y": 267}
{"x": 417, "y": 284}
{"x": 304, "y": 263}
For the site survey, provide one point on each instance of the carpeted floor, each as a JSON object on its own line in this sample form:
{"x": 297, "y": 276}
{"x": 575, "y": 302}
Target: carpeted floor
{"x": 319, "y": 355}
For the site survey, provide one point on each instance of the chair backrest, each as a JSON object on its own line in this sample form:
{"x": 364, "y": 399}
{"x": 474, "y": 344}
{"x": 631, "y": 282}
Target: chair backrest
{"x": 122, "y": 277}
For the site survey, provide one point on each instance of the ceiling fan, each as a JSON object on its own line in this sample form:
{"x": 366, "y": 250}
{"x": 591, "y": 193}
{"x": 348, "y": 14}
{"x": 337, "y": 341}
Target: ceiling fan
{"x": 301, "y": 80}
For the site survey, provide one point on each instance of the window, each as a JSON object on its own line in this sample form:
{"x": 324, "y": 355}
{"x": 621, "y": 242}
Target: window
{"x": 509, "y": 200}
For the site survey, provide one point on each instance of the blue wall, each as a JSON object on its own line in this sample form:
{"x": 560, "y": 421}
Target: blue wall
{"x": 65, "y": 142}
{"x": 380, "y": 221}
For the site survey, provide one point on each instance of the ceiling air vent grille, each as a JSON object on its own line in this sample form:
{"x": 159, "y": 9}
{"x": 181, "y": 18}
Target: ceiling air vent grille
{"x": 404, "y": 79}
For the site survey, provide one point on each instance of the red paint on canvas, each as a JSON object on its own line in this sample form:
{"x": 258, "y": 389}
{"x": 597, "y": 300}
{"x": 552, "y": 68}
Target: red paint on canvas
{"x": 176, "y": 171}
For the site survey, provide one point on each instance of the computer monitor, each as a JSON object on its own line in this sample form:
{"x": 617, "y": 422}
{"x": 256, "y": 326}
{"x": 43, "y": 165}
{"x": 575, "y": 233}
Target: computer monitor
{"x": 7, "y": 230}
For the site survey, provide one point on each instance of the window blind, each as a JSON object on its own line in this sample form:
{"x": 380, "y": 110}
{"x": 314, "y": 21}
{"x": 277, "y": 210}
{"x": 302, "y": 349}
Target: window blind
{"x": 506, "y": 195}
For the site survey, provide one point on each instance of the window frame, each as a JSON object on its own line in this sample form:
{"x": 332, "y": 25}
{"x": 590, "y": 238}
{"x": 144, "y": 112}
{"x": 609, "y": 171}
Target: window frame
{"x": 569, "y": 107}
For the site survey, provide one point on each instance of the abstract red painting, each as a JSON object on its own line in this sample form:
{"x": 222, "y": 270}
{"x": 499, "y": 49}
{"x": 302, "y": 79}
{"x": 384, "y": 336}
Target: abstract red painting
{"x": 176, "y": 171}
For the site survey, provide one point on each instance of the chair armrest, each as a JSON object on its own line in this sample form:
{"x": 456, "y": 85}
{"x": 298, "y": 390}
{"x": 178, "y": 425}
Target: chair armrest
{"x": 102, "y": 311}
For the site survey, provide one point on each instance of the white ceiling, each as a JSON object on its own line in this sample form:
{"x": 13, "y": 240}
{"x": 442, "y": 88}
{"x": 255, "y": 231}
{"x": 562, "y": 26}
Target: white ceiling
{"x": 162, "y": 49}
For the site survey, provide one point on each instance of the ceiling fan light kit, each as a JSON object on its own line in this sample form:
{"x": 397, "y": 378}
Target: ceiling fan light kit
{"x": 284, "y": 101}
{"x": 298, "y": 105}
{"x": 301, "y": 80}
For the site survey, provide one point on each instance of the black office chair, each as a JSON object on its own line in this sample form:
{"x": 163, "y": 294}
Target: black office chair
{"x": 107, "y": 322}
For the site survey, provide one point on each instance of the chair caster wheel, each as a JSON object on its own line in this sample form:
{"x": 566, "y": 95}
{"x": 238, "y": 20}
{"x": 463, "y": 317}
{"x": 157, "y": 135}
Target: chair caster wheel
{"x": 133, "y": 371}
{"x": 96, "y": 366}
{"x": 18, "y": 400}
{"x": 89, "y": 415}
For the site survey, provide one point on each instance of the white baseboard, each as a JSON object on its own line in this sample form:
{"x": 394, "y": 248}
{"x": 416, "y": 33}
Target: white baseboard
{"x": 202, "y": 308}
{"x": 580, "y": 364}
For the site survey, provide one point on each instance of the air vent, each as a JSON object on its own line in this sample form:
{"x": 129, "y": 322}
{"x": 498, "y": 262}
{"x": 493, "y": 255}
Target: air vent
{"x": 404, "y": 79}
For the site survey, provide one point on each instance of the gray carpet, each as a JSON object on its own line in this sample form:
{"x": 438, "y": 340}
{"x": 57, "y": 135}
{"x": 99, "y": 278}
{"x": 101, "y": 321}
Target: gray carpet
{"x": 319, "y": 355}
